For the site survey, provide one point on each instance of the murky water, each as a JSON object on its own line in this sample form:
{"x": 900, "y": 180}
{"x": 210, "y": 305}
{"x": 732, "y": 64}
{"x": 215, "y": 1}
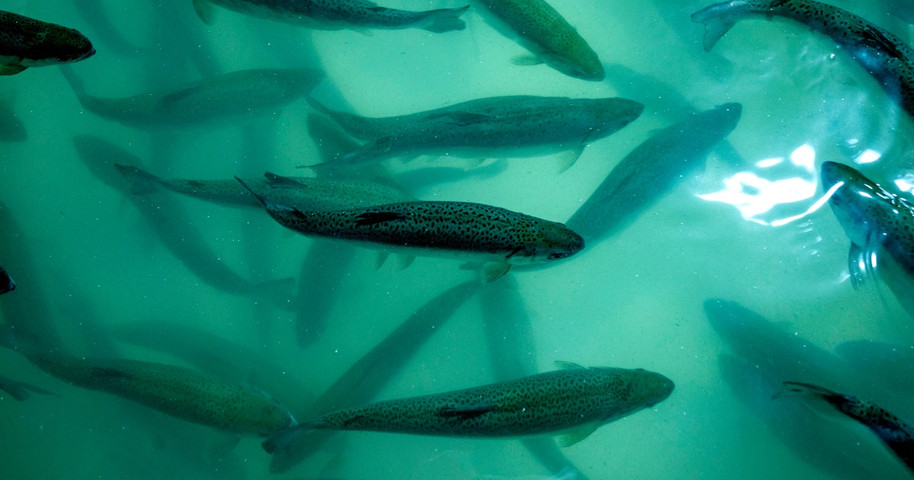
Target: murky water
{"x": 744, "y": 227}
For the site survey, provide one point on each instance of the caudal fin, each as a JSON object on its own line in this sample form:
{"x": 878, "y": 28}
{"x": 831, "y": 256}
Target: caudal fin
{"x": 444, "y": 20}
{"x": 717, "y": 19}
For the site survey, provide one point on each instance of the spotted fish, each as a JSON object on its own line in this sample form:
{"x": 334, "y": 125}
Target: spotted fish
{"x": 6, "y": 283}
{"x": 26, "y": 42}
{"x": 893, "y": 431}
{"x": 338, "y": 14}
{"x": 875, "y": 219}
{"x": 176, "y": 391}
{"x": 511, "y": 125}
{"x": 884, "y": 56}
{"x": 229, "y": 98}
{"x": 470, "y": 231}
{"x": 542, "y": 30}
{"x": 573, "y": 401}
{"x": 302, "y": 192}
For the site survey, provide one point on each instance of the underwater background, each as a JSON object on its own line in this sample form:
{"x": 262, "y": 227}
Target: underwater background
{"x": 746, "y": 229}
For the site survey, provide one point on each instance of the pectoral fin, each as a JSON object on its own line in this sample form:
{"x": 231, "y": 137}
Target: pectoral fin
{"x": 577, "y": 434}
{"x": 11, "y": 69}
{"x": 204, "y": 10}
{"x": 494, "y": 271}
{"x": 860, "y": 265}
{"x": 527, "y": 60}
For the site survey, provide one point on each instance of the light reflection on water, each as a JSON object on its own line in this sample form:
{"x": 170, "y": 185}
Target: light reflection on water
{"x": 756, "y": 192}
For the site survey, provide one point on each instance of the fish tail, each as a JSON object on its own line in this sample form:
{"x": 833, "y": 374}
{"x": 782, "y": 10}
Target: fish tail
{"x": 143, "y": 181}
{"x": 444, "y": 20}
{"x": 291, "y": 445}
{"x": 718, "y": 19}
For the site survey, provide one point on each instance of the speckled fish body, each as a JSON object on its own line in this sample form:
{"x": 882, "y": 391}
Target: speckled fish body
{"x": 229, "y": 98}
{"x": 882, "y": 54}
{"x": 510, "y": 126}
{"x": 338, "y": 14}
{"x": 894, "y": 432}
{"x": 470, "y": 231}
{"x": 874, "y": 218}
{"x": 651, "y": 170}
{"x": 300, "y": 192}
{"x": 176, "y": 391}
{"x": 26, "y": 42}
{"x": 542, "y": 30}
{"x": 574, "y": 401}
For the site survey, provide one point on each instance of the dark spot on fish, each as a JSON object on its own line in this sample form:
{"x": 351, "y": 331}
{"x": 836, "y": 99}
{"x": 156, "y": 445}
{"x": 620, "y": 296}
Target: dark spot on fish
{"x": 195, "y": 183}
{"x": 350, "y": 421}
{"x": 465, "y": 413}
{"x": 373, "y": 218}
{"x": 111, "y": 373}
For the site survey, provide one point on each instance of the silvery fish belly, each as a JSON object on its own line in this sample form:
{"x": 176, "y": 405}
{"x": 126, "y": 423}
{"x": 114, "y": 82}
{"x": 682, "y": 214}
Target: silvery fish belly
{"x": 470, "y": 231}
{"x": 874, "y": 218}
{"x": 552, "y": 40}
{"x": 176, "y": 391}
{"x": 510, "y": 126}
{"x": 574, "y": 401}
{"x": 26, "y": 42}
{"x": 884, "y": 56}
{"x": 337, "y": 14}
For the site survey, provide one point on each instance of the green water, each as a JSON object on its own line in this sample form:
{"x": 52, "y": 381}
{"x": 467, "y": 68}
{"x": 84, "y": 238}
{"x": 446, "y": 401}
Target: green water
{"x": 86, "y": 262}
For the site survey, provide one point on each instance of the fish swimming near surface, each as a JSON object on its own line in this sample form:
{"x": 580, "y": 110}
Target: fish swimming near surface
{"x": 302, "y": 192}
{"x": 651, "y": 170}
{"x": 6, "y": 283}
{"x": 472, "y": 231}
{"x": 894, "y": 432}
{"x": 339, "y": 14}
{"x": 177, "y": 391}
{"x": 231, "y": 98}
{"x": 879, "y": 223}
{"x": 510, "y": 126}
{"x": 26, "y": 42}
{"x": 574, "y": 401}
{"x": 538, "y": 27}
{"x": 882, "y": 54}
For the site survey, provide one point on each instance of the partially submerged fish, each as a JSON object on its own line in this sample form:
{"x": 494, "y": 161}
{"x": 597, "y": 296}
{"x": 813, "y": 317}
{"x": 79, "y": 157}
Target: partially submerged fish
{"x": 894, "y": 432}
{"x": 180, "y": 392}
{"x": 233, "y": 97}
{"x": 882, "y": 54}
{"x": 26, "y": 42}
{"x": 651, "y": 170}
{"x": 471, "y": 231}
{"x": 875, "y": 219}
{"x": 338, "y": 14}
{"x": 510, "y": 126}
{"x": 542, "y": 30}
{"x": 6, "y": 283}
{"x": 574, "y": 401}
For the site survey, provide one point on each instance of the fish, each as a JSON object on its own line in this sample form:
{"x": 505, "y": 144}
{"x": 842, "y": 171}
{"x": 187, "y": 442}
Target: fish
{"x": 20, "y": 390}
{"x": 538, "y": 27}
{"x": 339, "y": 14}
{"x": 508, "y": 125}
{"x": 26, "y": 42}
{"x": 882, "y": 54}
{"x": 761, "y": 355}
{"x": 879, "y": 224}
{"x": 471, "y": 231}
{"x": 302, "y": 192}
{"x": 170, "y": 223}
{"x": 176, "y": 391}
{"x": 371, "y": 373}
{"x": 231, "y": 98}
{"x": 573, "y": 401}
{"x": 651, "y": 170}
{"x": 894, "y": 432}
{"x": 6, "y": 283}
